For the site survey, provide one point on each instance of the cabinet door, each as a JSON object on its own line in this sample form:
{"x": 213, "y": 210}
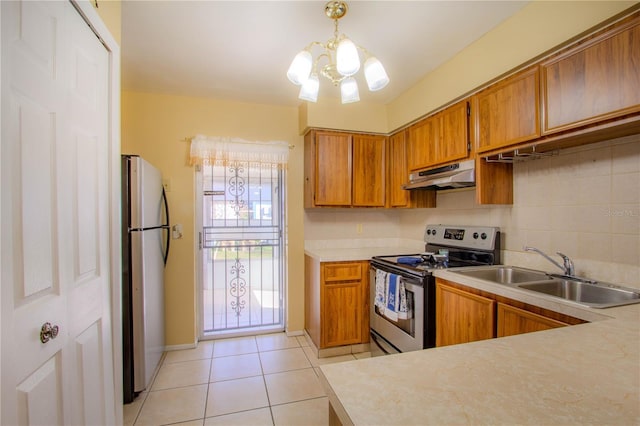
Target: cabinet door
{"x": 454, "y": 133}
{"x": 398, "y": 175}
{"x": 397, "y": 171}
{"x": 507, "y": 112}
{"x": 369, "y": 157}
{"x": 512, "y": 320}
{"x": 421, "y": 145}
{"x": 462, "y": 317}
{"x": 595, "y": 81}
{"x": 342, "y": 314}
{"x": 343, "y": 304}
{"x": 333, "y": 163}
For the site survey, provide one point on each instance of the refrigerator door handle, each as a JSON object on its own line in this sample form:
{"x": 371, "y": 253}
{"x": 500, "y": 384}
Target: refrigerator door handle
{"x": 167, "y": 225}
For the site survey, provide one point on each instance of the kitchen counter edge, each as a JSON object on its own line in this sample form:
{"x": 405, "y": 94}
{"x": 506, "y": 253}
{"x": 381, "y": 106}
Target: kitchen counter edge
{"x": 555, "y": 376}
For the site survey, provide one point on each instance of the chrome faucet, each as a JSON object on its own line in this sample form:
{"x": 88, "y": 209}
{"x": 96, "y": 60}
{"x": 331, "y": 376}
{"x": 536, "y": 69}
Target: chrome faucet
{"x": 568, "y": 267}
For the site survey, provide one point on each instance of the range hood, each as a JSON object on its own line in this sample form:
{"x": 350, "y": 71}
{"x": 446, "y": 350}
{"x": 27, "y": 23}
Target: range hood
{"x": 458, "y": 175}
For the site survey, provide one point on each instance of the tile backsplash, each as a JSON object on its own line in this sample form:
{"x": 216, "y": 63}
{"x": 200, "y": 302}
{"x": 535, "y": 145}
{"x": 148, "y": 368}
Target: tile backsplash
{"x": 583, "y": 201}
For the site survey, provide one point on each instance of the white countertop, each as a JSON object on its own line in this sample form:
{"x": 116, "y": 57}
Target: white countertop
{"x": 363, "y": 253}
{"x": 582, "y": 374}
{"x": 360, "y": 249}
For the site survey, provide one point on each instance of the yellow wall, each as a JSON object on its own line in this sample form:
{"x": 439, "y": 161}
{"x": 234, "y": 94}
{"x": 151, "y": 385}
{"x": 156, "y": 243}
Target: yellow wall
{"x": 330, "y": 113}
{"x": 110, "y": 12}
{"x": 538, "y": 27}
{"x": 155, "y": 126}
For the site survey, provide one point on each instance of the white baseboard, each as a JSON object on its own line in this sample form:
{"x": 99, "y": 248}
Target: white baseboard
{"x": 181, "y": 347}
{"x": 292, "y": 333}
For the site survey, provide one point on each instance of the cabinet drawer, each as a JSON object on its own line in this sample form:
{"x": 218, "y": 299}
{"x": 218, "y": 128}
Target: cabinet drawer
{"x": 337, "y": 272}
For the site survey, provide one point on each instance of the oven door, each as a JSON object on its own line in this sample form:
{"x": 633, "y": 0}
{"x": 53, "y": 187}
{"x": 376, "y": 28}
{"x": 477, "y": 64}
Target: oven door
{"x": 403, "y": 335}
{"x": 379, "y": 346}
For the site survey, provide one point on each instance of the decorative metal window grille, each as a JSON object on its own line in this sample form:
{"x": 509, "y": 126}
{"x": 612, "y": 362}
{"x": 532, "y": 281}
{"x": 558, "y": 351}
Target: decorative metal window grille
{"x": 242, "y": 247}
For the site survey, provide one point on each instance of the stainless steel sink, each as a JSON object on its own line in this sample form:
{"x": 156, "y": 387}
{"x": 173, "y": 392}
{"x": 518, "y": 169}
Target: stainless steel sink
{"x": 574, "y": 289}
{"x": 505, "y": 274}
{"x": 596, "y": 295}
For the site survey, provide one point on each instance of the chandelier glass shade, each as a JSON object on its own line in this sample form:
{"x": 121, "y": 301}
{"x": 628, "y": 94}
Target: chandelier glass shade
{"x": 341, "y": 60}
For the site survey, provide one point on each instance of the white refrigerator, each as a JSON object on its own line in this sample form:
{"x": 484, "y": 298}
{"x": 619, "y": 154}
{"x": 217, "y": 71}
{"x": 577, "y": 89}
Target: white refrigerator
{"x": 145, "y": 247}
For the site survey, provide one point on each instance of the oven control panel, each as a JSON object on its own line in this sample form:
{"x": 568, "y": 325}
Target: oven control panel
{"x": 476, "y": 237}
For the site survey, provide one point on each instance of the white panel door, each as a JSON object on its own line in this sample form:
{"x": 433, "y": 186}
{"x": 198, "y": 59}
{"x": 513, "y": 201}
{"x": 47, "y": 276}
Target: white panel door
{"x": 55, "y": 218}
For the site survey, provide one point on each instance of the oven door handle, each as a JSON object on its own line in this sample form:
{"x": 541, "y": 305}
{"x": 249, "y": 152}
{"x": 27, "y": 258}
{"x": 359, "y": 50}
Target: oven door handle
{"x": 409, "y": 280}
{"x": 409, "y": 285}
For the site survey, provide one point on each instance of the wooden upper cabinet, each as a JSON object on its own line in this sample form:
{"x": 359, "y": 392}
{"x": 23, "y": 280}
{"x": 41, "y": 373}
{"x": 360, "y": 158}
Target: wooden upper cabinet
{"x": 494, "y": 182}
{"x": 398, "y": 175}
{"x": 331, "y": 166}
{"x": 507, "y": 112}
{"x": 369, "y": 158}
{"x": 440, "y": 138}
{"x": 344, "y": 169}
{"x": 397, "y": 171}
{"x": 594, "y": 81}
{"x": 453, "y": 141}
{"x": 421, "y": 144}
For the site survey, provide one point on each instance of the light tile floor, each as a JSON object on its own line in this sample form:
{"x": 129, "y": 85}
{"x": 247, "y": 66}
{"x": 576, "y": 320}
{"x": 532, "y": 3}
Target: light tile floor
{"x": 259, "y": 380}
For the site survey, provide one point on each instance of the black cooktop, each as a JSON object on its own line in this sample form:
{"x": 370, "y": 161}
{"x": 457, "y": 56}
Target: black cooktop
{"x": 425, "y": 263}
{"x": 448, "y": 247}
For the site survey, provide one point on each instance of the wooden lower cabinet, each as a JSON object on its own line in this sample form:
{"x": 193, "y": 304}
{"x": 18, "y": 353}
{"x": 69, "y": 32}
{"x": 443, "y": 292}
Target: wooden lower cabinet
{"x": 342, "y": 312}
{"x": 334, "y": 419}
{"x": 337, "y": 300}
{"x": 465, "y": 314}
{"x": 512, "y": 320}
{"x": 462, "y": 317}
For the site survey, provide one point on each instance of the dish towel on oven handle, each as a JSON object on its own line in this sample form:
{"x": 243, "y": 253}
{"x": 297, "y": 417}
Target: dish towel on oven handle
{"x": 403, "y": 309}
{"x": 391, "y": 296}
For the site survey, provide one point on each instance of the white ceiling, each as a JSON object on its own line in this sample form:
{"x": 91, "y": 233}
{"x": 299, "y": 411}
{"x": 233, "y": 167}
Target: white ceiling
{"x": 240, "y": 50}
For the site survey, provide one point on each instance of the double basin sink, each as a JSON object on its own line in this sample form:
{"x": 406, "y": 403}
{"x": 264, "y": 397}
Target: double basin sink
{"x": 582, "y": 291}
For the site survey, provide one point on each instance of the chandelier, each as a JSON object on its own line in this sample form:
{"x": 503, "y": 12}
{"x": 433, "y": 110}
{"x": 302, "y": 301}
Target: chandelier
{"x": 343, "y": 61}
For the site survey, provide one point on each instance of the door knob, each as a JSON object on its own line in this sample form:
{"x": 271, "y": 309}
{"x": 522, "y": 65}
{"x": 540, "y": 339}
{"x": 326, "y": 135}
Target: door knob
{"x": 48, "y": 332}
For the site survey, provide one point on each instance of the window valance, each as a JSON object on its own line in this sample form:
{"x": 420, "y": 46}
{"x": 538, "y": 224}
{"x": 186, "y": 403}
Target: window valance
{"x": 222, "y": 151}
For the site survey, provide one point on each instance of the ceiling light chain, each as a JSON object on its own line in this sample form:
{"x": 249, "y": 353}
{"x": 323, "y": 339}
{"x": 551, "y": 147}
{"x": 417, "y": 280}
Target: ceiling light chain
{"x": 340, "y": 67}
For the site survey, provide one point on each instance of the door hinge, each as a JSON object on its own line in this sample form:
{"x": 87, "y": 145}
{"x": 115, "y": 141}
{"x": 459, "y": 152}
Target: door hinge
{"x": 199, "y": 240}
{"x": 468, "y": 110}
{"x": 468, "y": 146}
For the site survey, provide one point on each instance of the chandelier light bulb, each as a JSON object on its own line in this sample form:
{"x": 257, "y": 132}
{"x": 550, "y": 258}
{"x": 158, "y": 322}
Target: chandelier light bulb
{"x": 347, "y": 59}
{"x": 340, "y": 61}
{"x": 349, "y": 90}
{"x": 310, "y": 88}
{"x": 300, "y": 68}
{"x": 375, "y": 74}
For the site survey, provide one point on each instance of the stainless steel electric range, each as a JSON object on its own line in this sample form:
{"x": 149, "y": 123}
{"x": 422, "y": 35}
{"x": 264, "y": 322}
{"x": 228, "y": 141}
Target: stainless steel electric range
{"x": 402, "y": 287}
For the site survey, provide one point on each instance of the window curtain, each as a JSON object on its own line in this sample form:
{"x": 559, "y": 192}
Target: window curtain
{"x": 224, "y": 151}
